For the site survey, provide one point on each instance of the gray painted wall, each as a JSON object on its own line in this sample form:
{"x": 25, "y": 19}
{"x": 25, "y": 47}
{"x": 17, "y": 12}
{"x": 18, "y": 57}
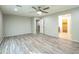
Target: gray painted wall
{"x": 16, "y": 25}
{"x": 1, "y": 27}
{"x": 51, "y": 23}
{"x": 75, "y": 24}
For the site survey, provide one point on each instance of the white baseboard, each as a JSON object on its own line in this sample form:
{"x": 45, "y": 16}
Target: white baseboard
{"x": 51, "y": 36}
{"x": 64, "y": 39}
{"x": 75, "y": 41}
{"x": 16, "y": 35}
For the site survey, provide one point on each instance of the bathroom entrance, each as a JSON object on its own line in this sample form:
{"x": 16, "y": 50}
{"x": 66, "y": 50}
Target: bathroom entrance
{"x": 65, "y": 26}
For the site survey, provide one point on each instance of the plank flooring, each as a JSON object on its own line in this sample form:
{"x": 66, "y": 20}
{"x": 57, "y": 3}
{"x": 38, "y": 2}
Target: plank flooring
{"x": 37, "y": 44}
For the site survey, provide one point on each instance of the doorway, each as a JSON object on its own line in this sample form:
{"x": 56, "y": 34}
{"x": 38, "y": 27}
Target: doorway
{"x": 39, "y": 26}
{"x": 65, "y": 26}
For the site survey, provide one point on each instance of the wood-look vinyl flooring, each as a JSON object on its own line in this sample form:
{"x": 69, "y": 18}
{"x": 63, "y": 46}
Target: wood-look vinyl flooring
{"x": 37, "y": 44}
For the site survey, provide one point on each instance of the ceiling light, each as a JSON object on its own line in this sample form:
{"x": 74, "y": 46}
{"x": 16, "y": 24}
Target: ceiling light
{"x": 15, "y": 9}
{"x": 39, "y": 12}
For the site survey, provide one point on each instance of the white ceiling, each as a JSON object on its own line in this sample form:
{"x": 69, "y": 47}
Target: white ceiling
{"x": 27, "y": 10}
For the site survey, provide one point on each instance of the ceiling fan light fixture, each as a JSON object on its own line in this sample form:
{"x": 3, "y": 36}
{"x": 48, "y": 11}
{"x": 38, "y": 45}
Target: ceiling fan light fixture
{"x": 15, "y": 9}
{"x": 39, "y": 12}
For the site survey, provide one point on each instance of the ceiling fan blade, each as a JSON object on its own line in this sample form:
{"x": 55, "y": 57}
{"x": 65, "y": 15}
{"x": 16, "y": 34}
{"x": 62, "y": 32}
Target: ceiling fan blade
{"x": 34, "y": 8}
{"x": 43, "y": 11}
{"x": 18, "y": 5}
{"x": 39, "y": 7}
{"x": 46, "y": 8}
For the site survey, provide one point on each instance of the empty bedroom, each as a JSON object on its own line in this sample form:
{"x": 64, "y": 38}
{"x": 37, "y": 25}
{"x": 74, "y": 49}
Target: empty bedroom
{"x": 39, "y": 29}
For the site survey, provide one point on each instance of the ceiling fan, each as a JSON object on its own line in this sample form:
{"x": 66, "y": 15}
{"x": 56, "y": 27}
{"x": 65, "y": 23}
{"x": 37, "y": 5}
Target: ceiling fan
{"x": 39, "y": 8}
{"x": 18, "y": 6}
